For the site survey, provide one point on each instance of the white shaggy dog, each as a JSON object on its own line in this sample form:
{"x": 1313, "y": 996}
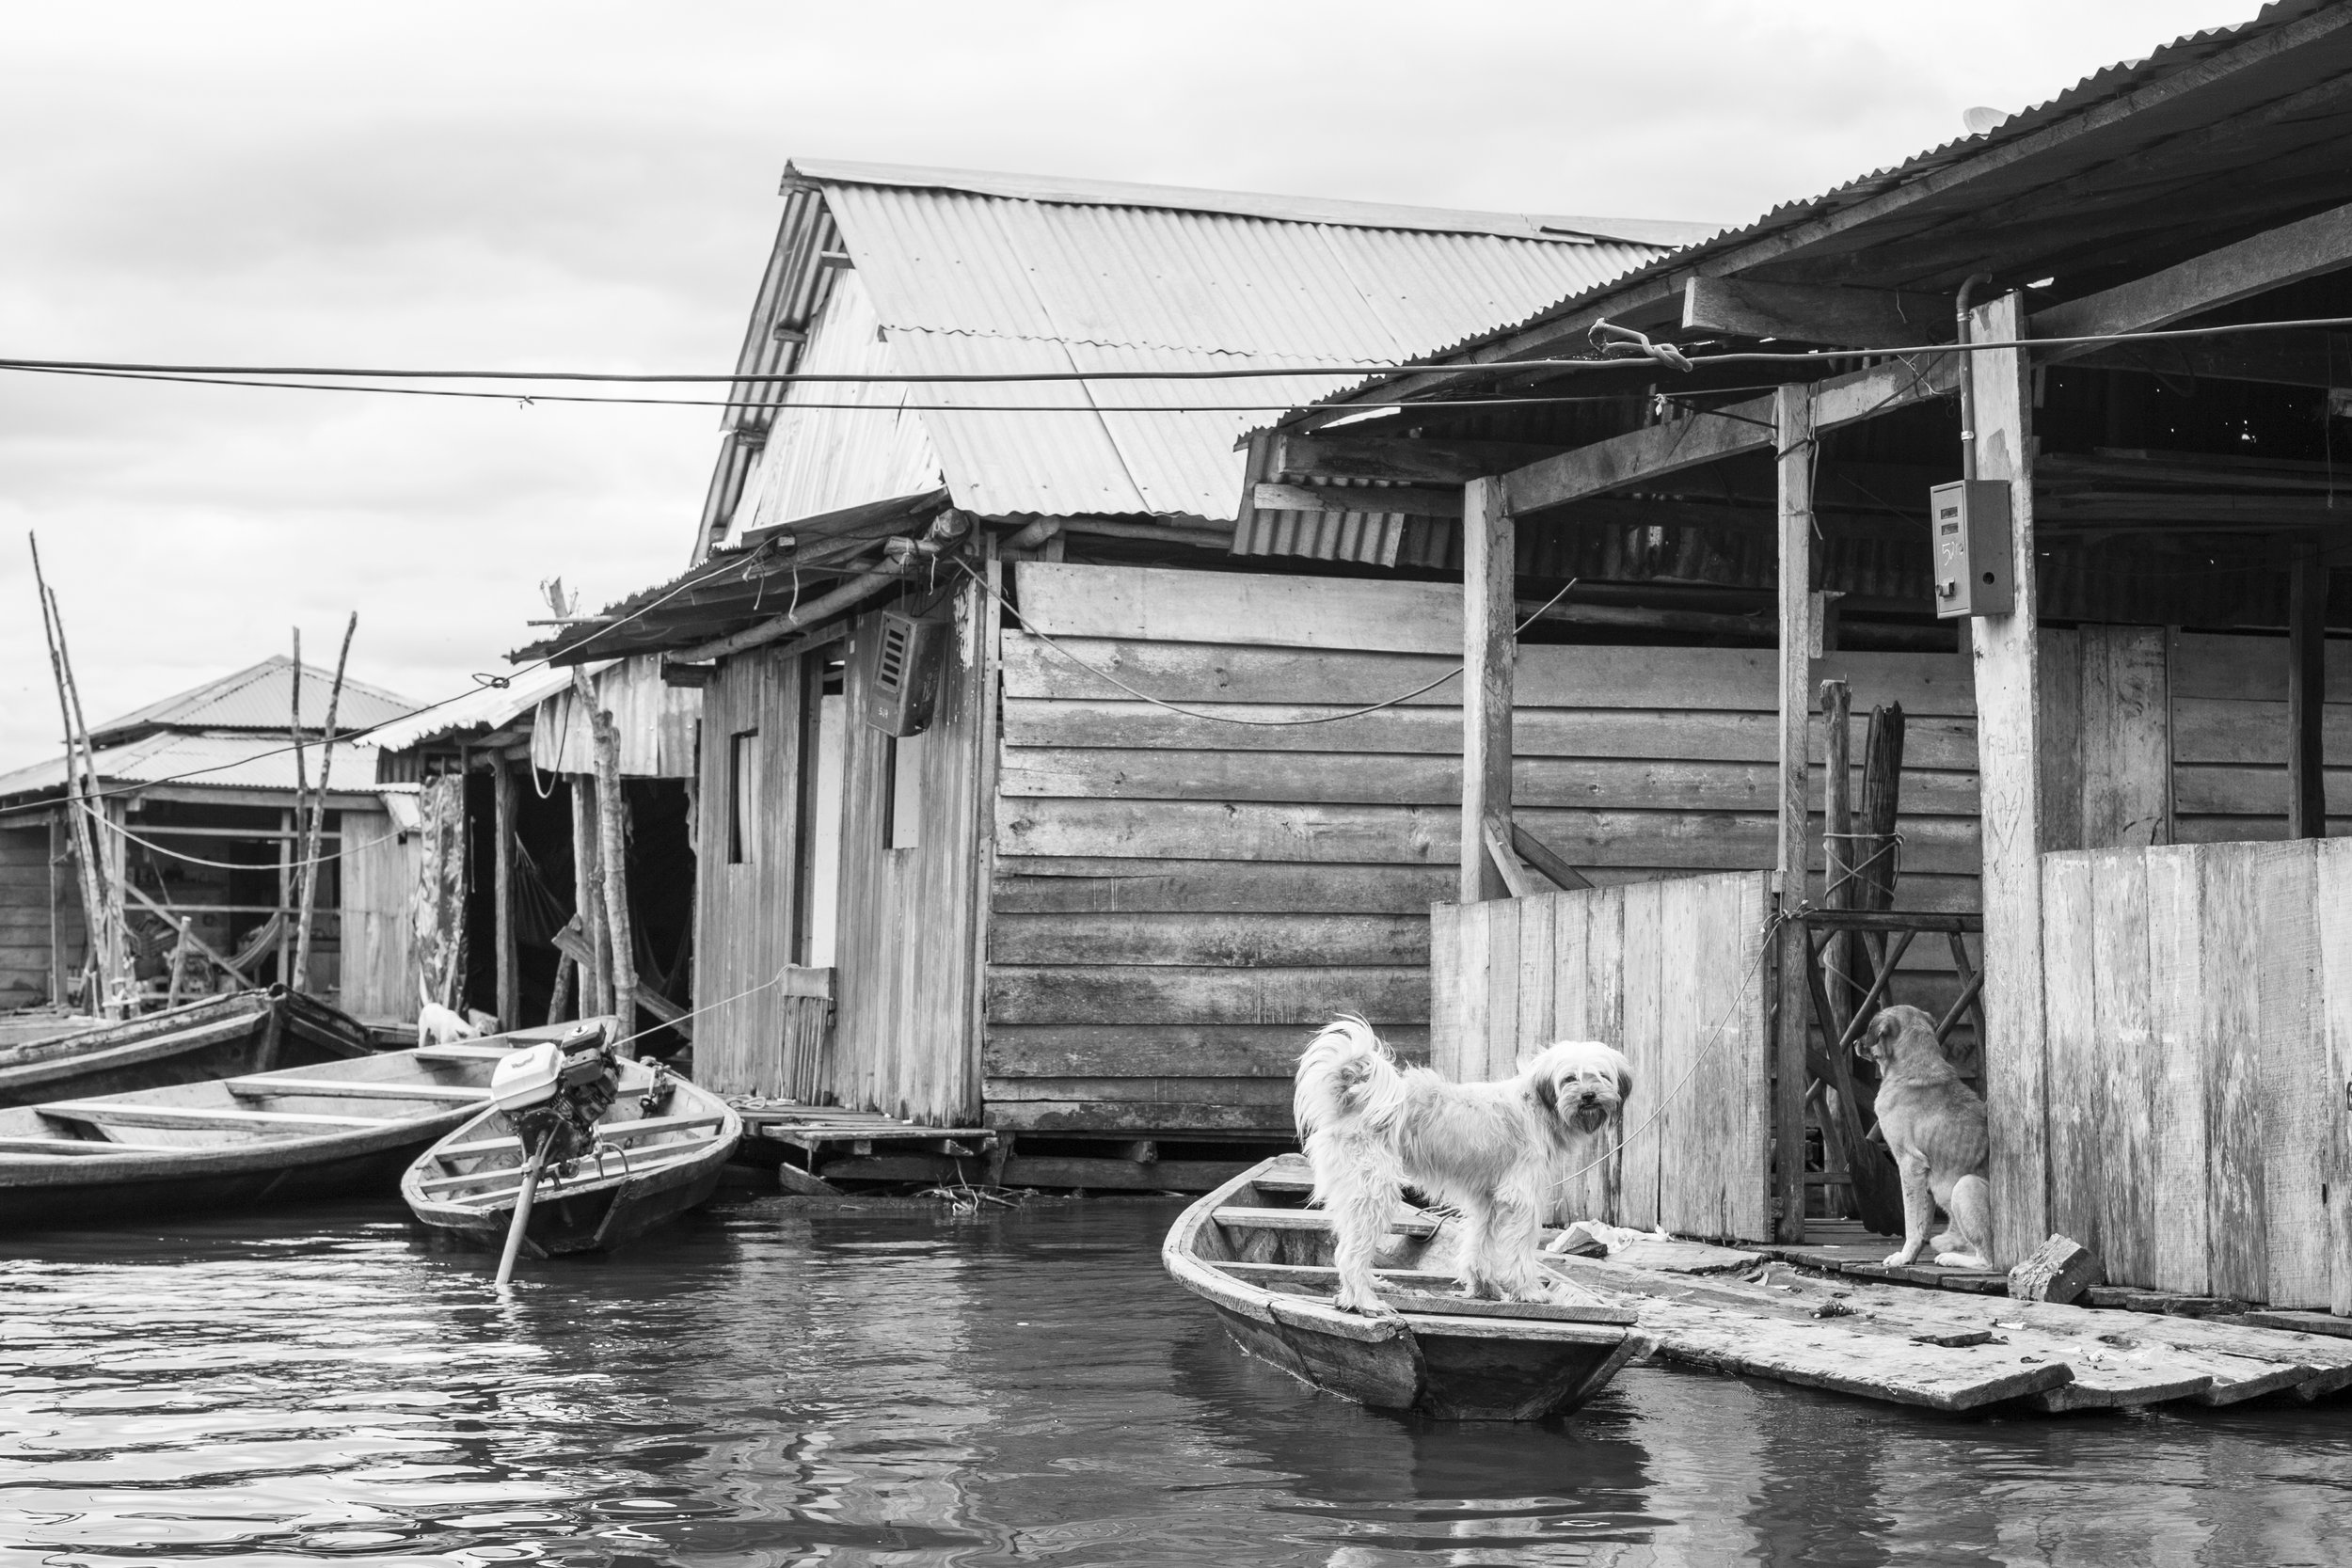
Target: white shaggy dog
{"x": 1496, "y": 1152}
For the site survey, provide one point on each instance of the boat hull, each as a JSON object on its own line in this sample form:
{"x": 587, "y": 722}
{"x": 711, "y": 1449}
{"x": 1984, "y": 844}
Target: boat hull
{"x": 219, "y": 1038}
{"x": 587, "y": 1208}
{"x": 81, "y": 1197}
{"x": 1434, "y": 1362}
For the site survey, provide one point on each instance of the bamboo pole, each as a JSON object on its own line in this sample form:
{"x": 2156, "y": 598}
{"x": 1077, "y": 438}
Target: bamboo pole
{"x": 307, "y": 872}
{"x": 77, "y": 822}
{"x": 287, "y": 875}
{"x": 115, "y": 973}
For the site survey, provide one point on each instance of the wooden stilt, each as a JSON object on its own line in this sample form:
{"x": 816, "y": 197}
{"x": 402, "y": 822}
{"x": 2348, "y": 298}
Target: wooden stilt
{"x": 2009, "y": 770}
{"x": 595, "y": 987}
{"x": 1489, "y": 658}
{"x": 79, "y": 803}
{"x": 502, "y": 889}
{"x": 1792, "y": 418}
{"x": 612, "y": 824}
{"x": 2307, "y": 694}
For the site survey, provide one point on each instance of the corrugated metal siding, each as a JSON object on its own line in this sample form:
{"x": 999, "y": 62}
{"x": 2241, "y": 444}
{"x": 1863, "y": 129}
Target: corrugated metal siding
{"x": 657, "y": 723}
{"x": 963, "y": 282}
{"x": 820, "y": 460}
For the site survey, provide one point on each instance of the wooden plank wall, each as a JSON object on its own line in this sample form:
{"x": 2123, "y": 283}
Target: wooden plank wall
{"x": 907, "y": 943}
{"x": 1668, "y": 971}
{"x": 1178, "y": 901}
{"x": 381, "y": 871}
{"x": 2229, "y": 738}
{"x": 656, "y": 723}
{"x": 744, "y": 910}
{"x": 2199, "y": 1028}
{"x": 26, "y": 919}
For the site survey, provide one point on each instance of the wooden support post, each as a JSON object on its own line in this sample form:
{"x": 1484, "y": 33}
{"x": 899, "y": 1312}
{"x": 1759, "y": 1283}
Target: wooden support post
{"x": 288, "y": 829}
{"x": 1793, "y": 443}
{"x": 2307, "y": 694}
{"x": 502, "y": 889}
{"x": 595, "y": 985}
{"x": 1837, "y": 845}
{"x": 2009, "y": 752}
{"x": 619, "y": 957}
{"x": 80, "y": 798}
{"x": 1489, "y": 661}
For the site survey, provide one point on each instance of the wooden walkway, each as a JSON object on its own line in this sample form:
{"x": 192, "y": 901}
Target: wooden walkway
{"x": 1943, "y": 1340}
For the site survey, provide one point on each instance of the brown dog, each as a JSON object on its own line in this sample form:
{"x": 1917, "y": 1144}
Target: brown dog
{"x": 1934, "y": 1126}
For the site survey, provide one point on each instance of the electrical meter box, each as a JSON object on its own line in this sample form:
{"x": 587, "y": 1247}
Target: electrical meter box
{"x": 905, "y": 685}
{"x": 1975, "y": 572}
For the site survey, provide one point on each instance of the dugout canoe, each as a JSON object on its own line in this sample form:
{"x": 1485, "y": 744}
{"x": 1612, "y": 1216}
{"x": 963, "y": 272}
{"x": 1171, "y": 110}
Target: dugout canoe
{"x": 1261, "y": 1259}
{"x": 218, "y": 1036}
{"x": 321, "y": 1129}
{"x": 666, "y": 1143}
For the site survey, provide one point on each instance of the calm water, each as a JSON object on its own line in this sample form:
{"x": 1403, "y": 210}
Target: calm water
{"x": 777, "y": 1384}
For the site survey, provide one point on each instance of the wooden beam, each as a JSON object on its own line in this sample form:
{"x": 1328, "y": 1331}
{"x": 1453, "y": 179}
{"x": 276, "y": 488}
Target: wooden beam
{"x": 1710, "y": 438}
{"x": 1506, "y": 862}
{"x": 1816, "y": 313}
{"x": 1535, "y": 852}
{"x": 1489, "y": 654}
{"x": 1793, "y": 434}
{"x": 2288, "y": 254}
{"x": 2301, "y": 359}
{"x": 2307, "y": 694}
{"x": 1403, "y": 462}
{"x": 502, "y": 890}
{"x": 1413, "y": 501}
{"x": 855, "y": 591}
{"x": 2009, "y": 753}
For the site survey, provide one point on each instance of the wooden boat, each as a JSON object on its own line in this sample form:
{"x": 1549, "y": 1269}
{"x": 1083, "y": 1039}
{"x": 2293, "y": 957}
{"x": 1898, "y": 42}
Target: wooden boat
{"x": 663, "y": 1144}
{"x": 219, "y": 1036}
{"x": 321, "y": 1129}
{"x": 1261, "y": 1259}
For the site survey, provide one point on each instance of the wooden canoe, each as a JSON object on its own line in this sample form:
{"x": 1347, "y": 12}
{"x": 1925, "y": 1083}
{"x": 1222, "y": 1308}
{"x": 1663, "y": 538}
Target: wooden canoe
{"x": 1254, "y": 1252}
{"x": 219, "y": 1036}
{"x": 663, "y": 1161}
{"x": 323, "y": 1129}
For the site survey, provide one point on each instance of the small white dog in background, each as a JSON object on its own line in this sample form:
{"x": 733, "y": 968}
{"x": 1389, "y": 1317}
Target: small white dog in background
{"x": 440, "y": 1026}
{"x": 1494, "y": 1152}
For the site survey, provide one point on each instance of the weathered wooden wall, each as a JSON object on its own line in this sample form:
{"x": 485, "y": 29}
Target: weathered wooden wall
{"x": 25, "y": 916}
{"x": 1670, "y": 973}
{"x": 2200, "y": 1039}
{"x": 1178, "y": 900}
{"x": 745, "y": 909}
{"x": 656, "y": 723}
{"x": 906, "y": 944}
{"x": 2229, "y": 738}
{"x": 381, "y": 872}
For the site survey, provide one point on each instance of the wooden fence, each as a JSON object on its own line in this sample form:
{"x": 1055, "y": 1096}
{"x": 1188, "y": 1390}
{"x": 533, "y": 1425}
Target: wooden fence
{"x": 2199, "y": 1050}
{"x": 1669, "y": 972}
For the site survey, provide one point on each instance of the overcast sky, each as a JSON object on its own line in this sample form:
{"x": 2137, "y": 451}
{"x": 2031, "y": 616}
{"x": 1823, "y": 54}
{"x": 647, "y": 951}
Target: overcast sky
{"x": 595, "y": 185}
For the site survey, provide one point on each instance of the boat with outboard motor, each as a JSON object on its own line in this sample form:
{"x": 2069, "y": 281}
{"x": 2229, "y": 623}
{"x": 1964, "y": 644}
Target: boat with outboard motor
{"x": 588, "y": 1147}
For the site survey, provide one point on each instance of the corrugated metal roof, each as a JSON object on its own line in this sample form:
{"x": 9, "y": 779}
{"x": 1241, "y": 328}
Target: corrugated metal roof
{"x": 492, "y": 707}
{"x": 224, "y": 761}
{"x": 2111, "y": 88}
{"x": 962, "y": 283}
{"x": 1285, "y": 208}
{"x": 259, "y": 697}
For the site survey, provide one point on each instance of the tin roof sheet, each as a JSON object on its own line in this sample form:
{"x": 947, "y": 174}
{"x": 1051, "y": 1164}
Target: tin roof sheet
{"x": 259, "y": 697}
{"x": 224, "y": 761}
{"x": 491, "y": 707}
{"x": 997, "y": 273}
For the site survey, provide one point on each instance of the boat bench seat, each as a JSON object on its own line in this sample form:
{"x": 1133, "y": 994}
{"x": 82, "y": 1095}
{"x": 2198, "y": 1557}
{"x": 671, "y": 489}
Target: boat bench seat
{"x": 1409, "y": 1222}
{"x": 196, "y": 1118}
{"x": 612, "y": 1131}
{"x": 351, "y": 1088}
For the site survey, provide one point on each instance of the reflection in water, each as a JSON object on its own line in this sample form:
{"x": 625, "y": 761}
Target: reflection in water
{"x": 778, "y": 1384}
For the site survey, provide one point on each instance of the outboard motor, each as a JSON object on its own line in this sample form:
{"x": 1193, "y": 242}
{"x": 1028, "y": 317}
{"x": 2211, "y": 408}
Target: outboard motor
{"x": 553, "y": 1093}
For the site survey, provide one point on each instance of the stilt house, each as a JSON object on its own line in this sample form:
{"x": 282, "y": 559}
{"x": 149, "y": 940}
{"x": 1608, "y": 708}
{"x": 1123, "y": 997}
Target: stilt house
{"x": 2122, "y": 506}
{"x": 198, "y": 796}
{"x": 1034, "y": 902}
